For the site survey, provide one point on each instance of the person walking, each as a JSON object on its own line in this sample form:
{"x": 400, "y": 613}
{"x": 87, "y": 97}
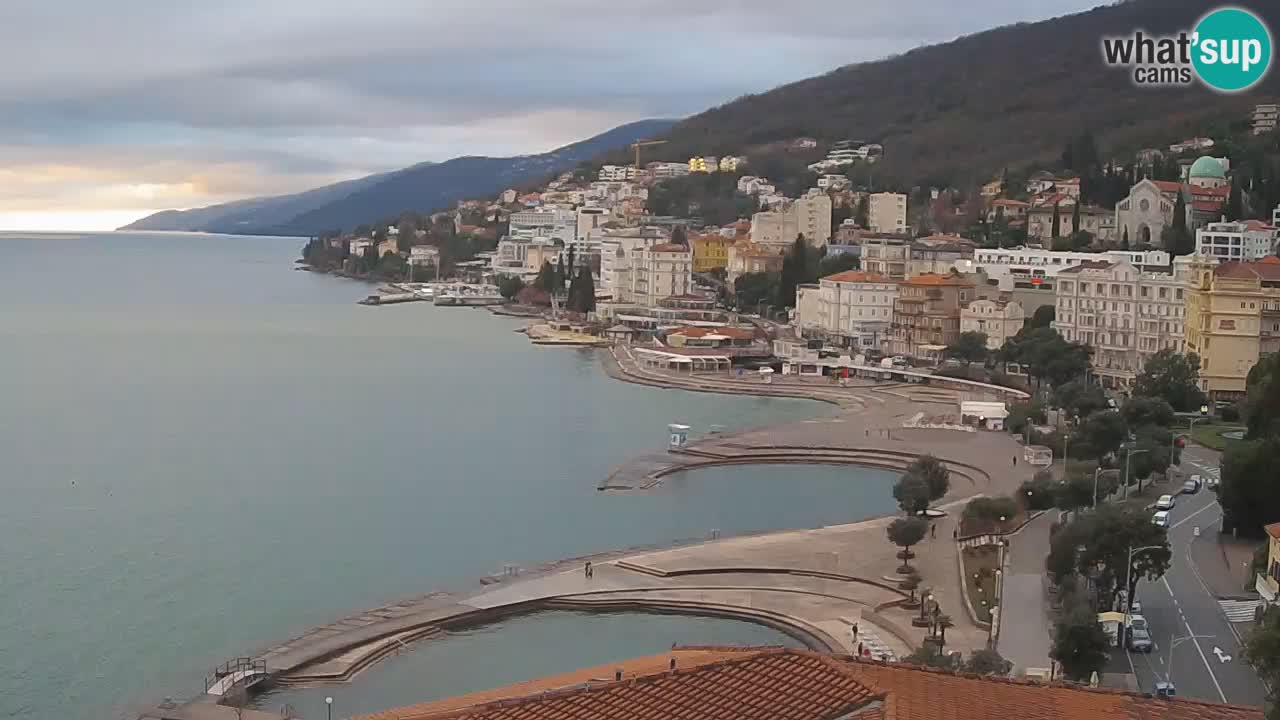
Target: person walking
{"x": 586, "y": 569}
{"x": 1015, "y": 461}
{"x": 933, "y": 531}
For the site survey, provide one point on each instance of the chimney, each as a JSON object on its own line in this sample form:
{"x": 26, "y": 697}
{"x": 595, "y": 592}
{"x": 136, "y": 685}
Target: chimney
{"x": 617, "y": 674}
{"x": 672, "y": 665}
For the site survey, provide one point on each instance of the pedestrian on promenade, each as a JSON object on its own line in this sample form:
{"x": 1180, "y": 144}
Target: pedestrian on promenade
{"x": 933, "y": 531}
{"x": 1015, "y": 461}
{"x": 955, "y": 533}
{"x": 859, "y": 649}
{"x": 586, "y": 569}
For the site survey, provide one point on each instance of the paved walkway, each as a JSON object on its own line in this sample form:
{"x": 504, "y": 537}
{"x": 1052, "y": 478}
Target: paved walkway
{"x": 1024, "y": 622}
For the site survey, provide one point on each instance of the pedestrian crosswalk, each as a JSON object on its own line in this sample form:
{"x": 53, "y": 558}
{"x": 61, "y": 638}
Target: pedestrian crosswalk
{"x": 1239, "y": 610}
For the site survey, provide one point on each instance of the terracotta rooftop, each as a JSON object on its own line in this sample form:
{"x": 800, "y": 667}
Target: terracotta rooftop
{"x": 1168, "y": 187}
{"x": 1273, "y": 530}
{"x": 1267, "y": 270}
{"x": 1257, "y": 225}
{"x": 1009, "y": 203}
{"x": 786, "y": 684}
{"x": 859, "y": 276}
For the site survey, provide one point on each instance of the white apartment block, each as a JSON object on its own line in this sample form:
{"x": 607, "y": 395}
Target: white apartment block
{"x": 1125, "y": 314}
{"x": 1265, "y": 118}
{"x": 887, "y": 212}
{"x": 731, "y": 163}
{"x": 999, "y": 320}
{"x": 548, "y": 223}
{"x": 809, "y": 216}
{"x": 1035, "y": 266}
{"x": 833, "y": 182}
{"x": 618, "y": 173}
{"x": 667, "y": 170}
{"x": 659, "y": 272}
{"x": 813, "y": 217}
{"x": 617, "y": 250}
{"x": 1236, "y": 241}
{"x": 1275, "y": 217}
{"x": 853, "y": 309}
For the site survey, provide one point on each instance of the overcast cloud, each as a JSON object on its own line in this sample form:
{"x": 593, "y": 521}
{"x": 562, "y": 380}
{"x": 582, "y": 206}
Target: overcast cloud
{"x": 135, "y": 105}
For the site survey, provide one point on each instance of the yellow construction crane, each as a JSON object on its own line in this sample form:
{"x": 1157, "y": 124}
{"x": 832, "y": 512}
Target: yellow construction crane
{"x": 644, "y": 143}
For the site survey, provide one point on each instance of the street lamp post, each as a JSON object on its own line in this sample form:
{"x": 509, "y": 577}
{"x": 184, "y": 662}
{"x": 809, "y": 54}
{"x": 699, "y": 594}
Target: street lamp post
{"x": 1174, "y": 642}
{"x": 1128, "y": 453}
{"x": 328, "y": 703}
{"x": 1128, "y": 588}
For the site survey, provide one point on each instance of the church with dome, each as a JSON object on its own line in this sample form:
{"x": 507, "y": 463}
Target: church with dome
{"x": 1142, "y": 216}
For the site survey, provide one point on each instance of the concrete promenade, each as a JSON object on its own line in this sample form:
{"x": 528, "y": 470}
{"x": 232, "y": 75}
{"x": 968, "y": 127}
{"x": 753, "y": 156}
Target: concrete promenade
{"x": 1024, "y": 605}
{"x": 815, "y": 584}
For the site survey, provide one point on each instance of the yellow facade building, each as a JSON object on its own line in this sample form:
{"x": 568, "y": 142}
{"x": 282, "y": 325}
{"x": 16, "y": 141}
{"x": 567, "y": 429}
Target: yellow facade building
{"x": 710, "y": 251}
{"x": 1233, "y": 319}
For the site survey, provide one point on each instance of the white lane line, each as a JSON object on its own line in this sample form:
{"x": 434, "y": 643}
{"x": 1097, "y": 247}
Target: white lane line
{"x": 1210, "y": 506}
{"x": 1208, "y": 668}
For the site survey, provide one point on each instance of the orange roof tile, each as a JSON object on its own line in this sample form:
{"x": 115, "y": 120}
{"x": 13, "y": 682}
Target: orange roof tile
{"x": 786, "y": 684}
{"x": 1273, "y": 530}
{"x": 859, "y": 276}
{"x": 1267, "y": 269}
{"x": 1168, "y": 186}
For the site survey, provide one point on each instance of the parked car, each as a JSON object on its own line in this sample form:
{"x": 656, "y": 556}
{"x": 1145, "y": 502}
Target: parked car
{"x": 1191, "y": 487}
{"x": 1136, "y": 621}
{"x": 1140, "y": 640}
{"x": 1161, "y": 518}
{"x": 1165, "y": 502}
{"x": 1166, "y": 690}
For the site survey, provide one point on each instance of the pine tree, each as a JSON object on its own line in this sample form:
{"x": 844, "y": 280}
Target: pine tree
{"x": 1056, "y": 227}
{"x": 1234, "y": 208}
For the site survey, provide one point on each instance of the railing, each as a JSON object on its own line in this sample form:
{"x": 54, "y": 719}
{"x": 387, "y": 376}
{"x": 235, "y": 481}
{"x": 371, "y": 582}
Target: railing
{"x": 250, "y": 670}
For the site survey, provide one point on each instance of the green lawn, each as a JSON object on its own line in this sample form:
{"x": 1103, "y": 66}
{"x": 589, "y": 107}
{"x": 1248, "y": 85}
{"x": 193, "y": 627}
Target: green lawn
{"x": 1210, "y": 435}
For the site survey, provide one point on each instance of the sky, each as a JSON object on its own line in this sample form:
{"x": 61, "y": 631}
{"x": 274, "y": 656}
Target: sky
{"x": 112, "y": 110}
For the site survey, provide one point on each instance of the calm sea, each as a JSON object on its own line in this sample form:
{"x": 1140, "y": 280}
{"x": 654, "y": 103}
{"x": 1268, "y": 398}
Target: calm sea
{"x": 203, "y": 451}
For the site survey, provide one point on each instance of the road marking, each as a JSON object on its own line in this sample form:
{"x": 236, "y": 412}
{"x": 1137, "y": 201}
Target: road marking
{"x": 1210, "y": 506}
{"x": 1205, "y": 660}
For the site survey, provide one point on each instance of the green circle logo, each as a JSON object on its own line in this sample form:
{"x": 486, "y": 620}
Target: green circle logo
{"x": 1231, "y": 49}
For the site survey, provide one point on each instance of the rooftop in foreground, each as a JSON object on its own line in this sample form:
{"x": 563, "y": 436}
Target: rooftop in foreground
{"x": 786, "y": 684}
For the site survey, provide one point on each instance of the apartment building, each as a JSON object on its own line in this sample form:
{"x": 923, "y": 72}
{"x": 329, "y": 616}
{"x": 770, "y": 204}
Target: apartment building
{"x": 813, "y": 217}
{"x": 544, "y": 223}
{"x": 852, "y": 309}
{"x": 667, "y": 170}
{"x": 710, "y": 251}
{"x": 1034, "y": 267}
{"x": 999, "y": 320}
{"x": 886, "y": 255}
{"x": 887, "y": 212}
{"x": 926, "y": 314}
{"x": 1243, "y": 241}
{"x": 1125, "y": 314}
{"x": 1265, "y": 117}
{"x": 749, "y": 257}
{"x": 617, "y": 250}
{"x": 1233, "y": 319}
{"x": 938, "y": 254}
{"x": 809, "y": 216}
{"x": 659, "y": 272}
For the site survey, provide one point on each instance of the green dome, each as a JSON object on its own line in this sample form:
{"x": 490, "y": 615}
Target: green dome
{"x": 1207, "y": 167}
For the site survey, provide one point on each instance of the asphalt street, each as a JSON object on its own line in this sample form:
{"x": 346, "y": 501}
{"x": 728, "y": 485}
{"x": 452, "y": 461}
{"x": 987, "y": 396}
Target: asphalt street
{"x": 1207, "y": 664}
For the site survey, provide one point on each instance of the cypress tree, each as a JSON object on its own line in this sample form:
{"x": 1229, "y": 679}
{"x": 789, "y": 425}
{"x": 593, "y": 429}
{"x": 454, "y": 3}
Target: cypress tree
{"x": 1056, "y": 227}
{"x": 1075, "y": 217}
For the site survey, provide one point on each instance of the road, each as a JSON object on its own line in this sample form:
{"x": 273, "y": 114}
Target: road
{"x": 1180, "y": 604}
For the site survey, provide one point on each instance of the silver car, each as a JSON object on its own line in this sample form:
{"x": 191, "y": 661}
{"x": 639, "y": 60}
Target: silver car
{"x": 1140, "y": 640}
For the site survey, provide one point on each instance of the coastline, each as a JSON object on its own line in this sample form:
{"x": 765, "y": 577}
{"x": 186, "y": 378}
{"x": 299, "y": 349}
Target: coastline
{"x": 340, "y": 660}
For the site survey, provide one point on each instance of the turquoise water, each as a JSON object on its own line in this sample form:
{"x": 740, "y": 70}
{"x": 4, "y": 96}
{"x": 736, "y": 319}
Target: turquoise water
{"x": 205, "y": 452}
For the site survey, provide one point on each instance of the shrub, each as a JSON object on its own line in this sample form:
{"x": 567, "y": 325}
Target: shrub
{"x": 990, "y": 510}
